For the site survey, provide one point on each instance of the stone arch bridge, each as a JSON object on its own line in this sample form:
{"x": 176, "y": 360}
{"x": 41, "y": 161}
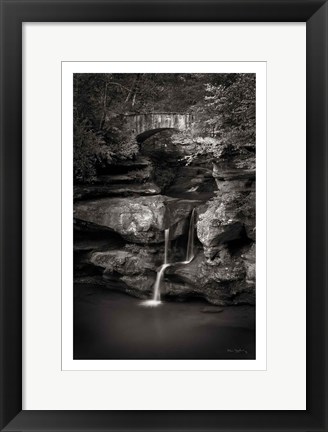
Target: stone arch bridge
{"x": 145, "y": 125}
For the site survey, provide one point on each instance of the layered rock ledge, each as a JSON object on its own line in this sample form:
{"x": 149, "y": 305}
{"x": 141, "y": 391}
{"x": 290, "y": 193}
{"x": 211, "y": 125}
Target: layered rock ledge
{"x": 138, "y": 219}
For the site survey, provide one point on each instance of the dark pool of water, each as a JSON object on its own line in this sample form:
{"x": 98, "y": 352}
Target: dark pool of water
{"x": 113, "y": 325}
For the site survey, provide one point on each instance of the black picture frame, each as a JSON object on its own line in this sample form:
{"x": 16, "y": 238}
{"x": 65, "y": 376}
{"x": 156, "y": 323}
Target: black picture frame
{"x": 13, "y": 14}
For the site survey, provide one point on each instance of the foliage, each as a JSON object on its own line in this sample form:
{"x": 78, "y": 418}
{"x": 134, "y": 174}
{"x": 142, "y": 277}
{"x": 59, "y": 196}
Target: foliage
{"x": 231, "y": 110}
{"x": 89, "y": 149}
{"x": 226, "y": 119}
{"x": 100, "y": 132}
{"x": 223, "y": 106}
{"x": 199, "y": 145}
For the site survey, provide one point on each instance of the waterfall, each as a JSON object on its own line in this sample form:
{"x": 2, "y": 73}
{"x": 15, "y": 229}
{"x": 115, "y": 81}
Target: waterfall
{"x": 156, "y": 300}
{"x": 160, "y": 271}
{"x": 167, "y": 240}
{"x": 190, "y": 244}
{"x": 157, "y": 286}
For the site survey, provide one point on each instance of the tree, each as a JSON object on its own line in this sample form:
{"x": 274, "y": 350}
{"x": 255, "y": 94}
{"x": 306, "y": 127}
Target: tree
{"x": 223, "y": 106}
{"x": 231, "y": 111}
{"x": 226, "y": 118}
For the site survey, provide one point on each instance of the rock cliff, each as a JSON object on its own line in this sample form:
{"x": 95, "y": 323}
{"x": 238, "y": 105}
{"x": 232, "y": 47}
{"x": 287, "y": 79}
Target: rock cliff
{"x": 120, "y": 231}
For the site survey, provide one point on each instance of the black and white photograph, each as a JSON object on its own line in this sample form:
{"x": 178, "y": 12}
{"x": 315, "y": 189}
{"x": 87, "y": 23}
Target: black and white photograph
{"x": 164, "y": 216}
{"x": 164, "y": 168}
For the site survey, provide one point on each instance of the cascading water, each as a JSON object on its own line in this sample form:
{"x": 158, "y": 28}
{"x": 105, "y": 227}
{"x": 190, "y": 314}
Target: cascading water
{"x": 156, "y": 300}
{"x": 167, "y": 242}
{"x": 190, "y": 244}
{"x": 157, "y": 286}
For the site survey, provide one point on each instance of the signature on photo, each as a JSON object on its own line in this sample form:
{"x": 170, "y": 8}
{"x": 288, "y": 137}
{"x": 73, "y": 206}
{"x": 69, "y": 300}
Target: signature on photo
{"x": 237, "y": 350}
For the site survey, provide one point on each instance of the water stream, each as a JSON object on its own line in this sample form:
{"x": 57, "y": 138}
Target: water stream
{"x": 190, "y": 245}
{"x": 157, "y": 287}
{"x": 156, "y": 300}
{"x": 167, "y": 241}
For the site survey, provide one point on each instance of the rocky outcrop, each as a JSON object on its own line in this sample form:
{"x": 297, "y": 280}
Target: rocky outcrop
{"x": 228, "y": 219}
{"x": 226, "y": 280}
{"x": 192, "y": 179}
{"x": 120, "y": 167}
{"x": 226, "y": 228}
{"x": 221, "y": 281}
{"x": 250, "y": 266}
{"x": 129, "y": 260}
{"x": 127, "y": 217}
{"x": 83, "y": 192}
{"x": 123, "y": 178}
{"x": 133, "y": 266}
{"x": 132, "y": 176}
{"x": 138, "y": 219}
